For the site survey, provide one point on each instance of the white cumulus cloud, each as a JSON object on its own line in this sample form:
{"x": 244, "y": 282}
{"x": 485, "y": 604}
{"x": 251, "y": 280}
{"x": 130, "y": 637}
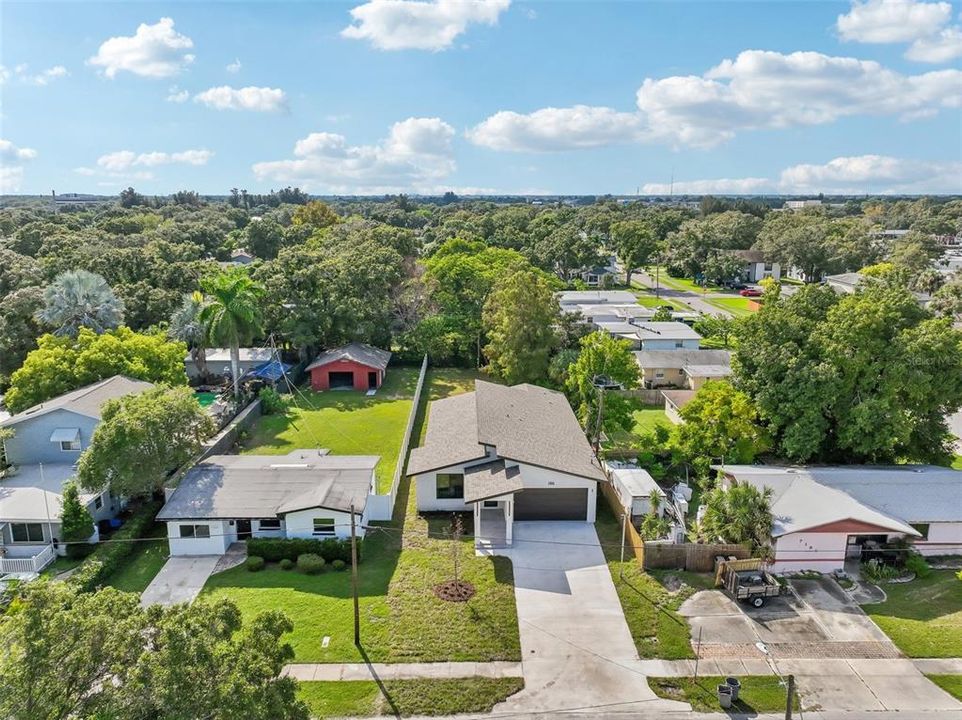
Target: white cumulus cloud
{"x": 22, "y": 73}
{"x": 923, "y": 24}
{"x": 419, "y": 25}
{"x": 859, "y": 174}
{"x": 756, "y": 90}
{"x": 11, "y": 178}
{"x": 415, "y": 155}
{"x": 122, "y": 160}
{"x": 175, "y": 95}
{"x": 152, "y": 51}
{"x": 550, "y": 129}
{"x": 256, "y": 99}
{"x": 234, "y": 67}
{"x": 9, "y": 151}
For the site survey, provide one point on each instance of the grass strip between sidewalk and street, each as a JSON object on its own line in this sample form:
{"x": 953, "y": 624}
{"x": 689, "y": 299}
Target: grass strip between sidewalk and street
{"x": 758, "y": 694}
{"x": 366, "y": 698}
{"x": 952, "y": 684}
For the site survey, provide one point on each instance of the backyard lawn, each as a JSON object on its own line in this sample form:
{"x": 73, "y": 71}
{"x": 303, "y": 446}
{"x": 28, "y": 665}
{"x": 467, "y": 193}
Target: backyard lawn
{"x": 923, "y": 617}
{"x": 758, "y": 694}
{"x": 401, "y": 619}
{"x": 647, "y": 418}
{"x": 650, "y": 609}
{"x": 737, "y": 306}
{"x": 143, "y": 564}
{"x": 406, "y": 697}
{"x": 347, "y": 422}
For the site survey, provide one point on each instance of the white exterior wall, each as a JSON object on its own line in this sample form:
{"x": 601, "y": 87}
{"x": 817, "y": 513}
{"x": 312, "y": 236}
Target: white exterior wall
{"x": 222, "y": 534}
{"x": 810, "y": 551}
{"x": 300, "y": 524}
{"x": 943, "y": 539}
{"x": 257, "y": 532}
{"x": 655, "y": 344}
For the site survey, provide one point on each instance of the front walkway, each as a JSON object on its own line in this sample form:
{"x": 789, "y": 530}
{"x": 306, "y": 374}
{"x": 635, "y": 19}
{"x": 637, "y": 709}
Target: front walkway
{"x": 179, "y": 580}
{"x": 576, "y": 649}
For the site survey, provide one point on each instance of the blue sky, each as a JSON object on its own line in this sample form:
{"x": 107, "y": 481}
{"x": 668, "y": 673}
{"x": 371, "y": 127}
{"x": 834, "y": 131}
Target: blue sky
{"x": 481, "y": 96}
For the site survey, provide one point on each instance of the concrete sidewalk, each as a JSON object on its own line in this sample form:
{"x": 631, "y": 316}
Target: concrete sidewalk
{"x": 401, "y": 671}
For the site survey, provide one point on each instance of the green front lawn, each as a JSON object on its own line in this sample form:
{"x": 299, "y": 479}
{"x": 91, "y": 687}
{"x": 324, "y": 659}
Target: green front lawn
{"x": 686, "y": 284}
{"x": 401, "y": 619}
{"x": 758, "y": 693}
{"x": 650, "y": 609}
{"x": 737, "y": 306}
{"x": 143, "y": 564}
{"x": 647, "y": 299}
{"x": 347, "y": 422}
{"x": 952, "y": 684}
{"x": 406, "y": 697}
{"x": 923, "y": 617}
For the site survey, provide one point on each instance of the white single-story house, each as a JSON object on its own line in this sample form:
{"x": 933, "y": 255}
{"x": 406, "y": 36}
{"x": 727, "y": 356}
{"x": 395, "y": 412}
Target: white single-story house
{"x": 757, "y": 267}
{"x": 218, "y": 361}
{"x": 569, "y": 298}
{"x": 506, "y": 454}
{"x": 675, "y": 400}
{"x": 47, "y": 442}
{"x": 635, "y": 487}
{"x": 682, "y": 367}
{"x": 824, "y": 515}
{"x": 654, "y": 335}
{"x": 618, "y": 313}
{"x": 305, "y": 494}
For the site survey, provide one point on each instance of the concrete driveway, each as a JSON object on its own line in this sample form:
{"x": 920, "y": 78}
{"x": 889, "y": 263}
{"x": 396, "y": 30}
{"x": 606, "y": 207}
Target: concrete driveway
{"x": 179, "y": 580}
{"x": 577, "y": 652}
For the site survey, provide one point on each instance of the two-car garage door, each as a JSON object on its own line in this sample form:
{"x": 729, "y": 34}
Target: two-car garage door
{"x": 551, "y": 504}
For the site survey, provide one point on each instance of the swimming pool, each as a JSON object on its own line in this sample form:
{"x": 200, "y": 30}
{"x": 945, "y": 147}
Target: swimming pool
{"x": 205, "y": 398}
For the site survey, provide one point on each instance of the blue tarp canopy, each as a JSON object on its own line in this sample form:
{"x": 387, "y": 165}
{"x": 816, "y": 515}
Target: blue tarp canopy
{"x": 272, "y": 371}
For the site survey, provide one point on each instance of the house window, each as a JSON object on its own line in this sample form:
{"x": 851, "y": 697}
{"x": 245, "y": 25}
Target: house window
{"x": 490, "y": 503}
{"x": 450, "y": 486}
{"x": 659, "y": 374}
{"x": 98, "y": 502}
{"x": 69, "y": 445}
{"x": 922, "y": 529}
{"x": 679, "y": 344}
{"x": 269, "y": 524}
{"x": 323, "y": 526}
{"x": 26, "y": 532}
{"x": 195, "y": 531}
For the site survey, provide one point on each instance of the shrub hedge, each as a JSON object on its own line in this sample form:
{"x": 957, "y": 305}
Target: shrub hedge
{"x": 108, "y": 557}
{"x": 310, "y": 564}
{"x": 254, "y": 563}
{"x": 287, "y": 564}
{"x": 338, "y": 565}
{"x": 277, "y": 549}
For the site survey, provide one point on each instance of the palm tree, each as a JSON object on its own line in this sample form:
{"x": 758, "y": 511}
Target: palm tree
{"x": 231, "y": 314}
{"x": 186, "y": 326}
{"x": 77, "y": 299}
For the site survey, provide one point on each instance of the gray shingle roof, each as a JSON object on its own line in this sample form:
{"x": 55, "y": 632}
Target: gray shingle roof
{"x": 254, "y": 354}
{"x": 678, "y": 398}
{"x": 567, "y": 297}
{"x": 490, "y": 480}
{"x": 525, "y": 423}
{"x": 358, "y": 352}
{"x": 256, "y": 486}
{"x": 85, "y": 401}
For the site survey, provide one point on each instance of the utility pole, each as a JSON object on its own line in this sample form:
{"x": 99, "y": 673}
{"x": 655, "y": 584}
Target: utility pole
{"x": 791, "y": 697}
{"x": 357, "y": 609}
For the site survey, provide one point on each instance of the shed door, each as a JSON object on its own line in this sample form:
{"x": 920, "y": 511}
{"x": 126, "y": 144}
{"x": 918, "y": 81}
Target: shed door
{"x": 551, "y": 504}
{"x": 341, "y": 380}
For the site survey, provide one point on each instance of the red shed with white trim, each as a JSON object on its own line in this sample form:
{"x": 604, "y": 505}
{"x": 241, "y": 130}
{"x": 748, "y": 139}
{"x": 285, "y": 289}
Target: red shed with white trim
{"x": 357, "y": 366}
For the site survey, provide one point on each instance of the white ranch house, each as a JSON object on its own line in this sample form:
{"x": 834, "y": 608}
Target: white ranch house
{"x": 305, "y": 494}
{"x": 505, "y": 454}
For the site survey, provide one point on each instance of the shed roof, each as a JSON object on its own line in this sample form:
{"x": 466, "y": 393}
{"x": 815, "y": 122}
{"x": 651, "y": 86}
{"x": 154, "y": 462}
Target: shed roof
{"x": 357, "y": 352}
{"x": 708, "y": 371}
{"x": 256, "y": 486}
{"x": 678, "y": 398}
{"x": 637, "y": 481}
{"x": 86, "y": 401}
{"x": 681, "y": 358}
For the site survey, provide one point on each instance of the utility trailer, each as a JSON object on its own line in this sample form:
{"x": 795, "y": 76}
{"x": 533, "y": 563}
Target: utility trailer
{"x": 754, "y": 587}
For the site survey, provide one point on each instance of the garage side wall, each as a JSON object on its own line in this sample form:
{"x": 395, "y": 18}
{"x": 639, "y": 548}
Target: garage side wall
{"x": 320, "y": 376}
{"x": 222, "y": 534}
{"x": 810, "y": 551}
{"x": 942, "y": 539}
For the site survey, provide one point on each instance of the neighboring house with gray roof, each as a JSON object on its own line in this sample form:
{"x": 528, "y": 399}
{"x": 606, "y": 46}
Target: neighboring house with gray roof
{"x": 47, "y": 441}
{"x": 355, "y": 366}
{"x": 505, "y": 453}
{"x": 682, "y": 368}
{"x": 305, "y": 494}
{"x": 825, "y": 515}
{"x": 218, "y": 361}
{"x": 654, "y": 335}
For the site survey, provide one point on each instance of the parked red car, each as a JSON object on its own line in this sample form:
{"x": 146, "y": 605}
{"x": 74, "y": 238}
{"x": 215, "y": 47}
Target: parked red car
{"x": 750, "y": 292}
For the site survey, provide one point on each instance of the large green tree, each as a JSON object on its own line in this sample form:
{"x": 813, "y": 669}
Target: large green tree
{"x": 76, "y": 523}
{"x": 19, "y": 328}
{"x": 61, "y": 364}
{"x": 869, "y": 377}
{"x": 519, "y": 319}
{"x": 602, "y": 359}
{"x": 635, "y": 243}
{"x": 68, "y": 654}
{"x": 141, "y": 439}
{"x": 232, "y": 314}
{"x": 186, "y": 326}
{"x": 80, "y": 299}
{"x": 720, "y": 424}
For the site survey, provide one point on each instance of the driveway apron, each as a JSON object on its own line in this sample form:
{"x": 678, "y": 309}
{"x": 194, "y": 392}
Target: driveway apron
{"x": 179, "y": 580}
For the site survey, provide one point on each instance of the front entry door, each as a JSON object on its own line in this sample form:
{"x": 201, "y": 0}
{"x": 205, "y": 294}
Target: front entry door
{"x": 243, "y": 529}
